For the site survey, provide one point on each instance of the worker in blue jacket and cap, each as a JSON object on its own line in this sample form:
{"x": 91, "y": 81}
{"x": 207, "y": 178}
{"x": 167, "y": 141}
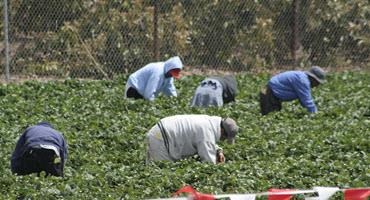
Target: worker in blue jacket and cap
{"x": 291, "y": 85}
{"x": 40, "y": 148}
{"x": 153, "y": 79}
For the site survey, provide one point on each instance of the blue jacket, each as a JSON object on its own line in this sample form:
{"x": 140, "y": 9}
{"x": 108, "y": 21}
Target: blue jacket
{"x": 40, "y": 134}
{"x": 291, "y": 85}
{"x": 151, "y": 80}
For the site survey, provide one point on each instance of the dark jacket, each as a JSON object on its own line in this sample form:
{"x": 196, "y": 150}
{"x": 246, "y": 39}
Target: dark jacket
{"x": 230, "y": 87}
{"x": 42, "y": 133}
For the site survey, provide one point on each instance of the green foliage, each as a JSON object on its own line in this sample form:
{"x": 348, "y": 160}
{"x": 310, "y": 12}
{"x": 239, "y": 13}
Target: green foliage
{"x": 106, "y": 137}
{"x": 331, "y": 26}
{"x": 45, "y": 15}
{"x": 82, "y": 38}
{"x": 215, "y": 26}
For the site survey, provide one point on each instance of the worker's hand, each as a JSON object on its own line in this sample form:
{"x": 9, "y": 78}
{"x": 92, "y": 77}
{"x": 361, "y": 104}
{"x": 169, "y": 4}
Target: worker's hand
{"x": 220, "y": 157}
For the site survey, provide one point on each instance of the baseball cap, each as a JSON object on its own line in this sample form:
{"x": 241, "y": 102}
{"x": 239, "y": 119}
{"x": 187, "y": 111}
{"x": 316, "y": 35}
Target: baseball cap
{"x": 175, "y": 73}
{"x": 231, "y": 129}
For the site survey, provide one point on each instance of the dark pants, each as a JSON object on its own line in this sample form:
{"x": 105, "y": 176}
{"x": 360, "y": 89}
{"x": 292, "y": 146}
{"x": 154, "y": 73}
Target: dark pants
{"x": 132, "y": 93}
{"x": 268, "y": 102}
{"x": 36, "y": 160}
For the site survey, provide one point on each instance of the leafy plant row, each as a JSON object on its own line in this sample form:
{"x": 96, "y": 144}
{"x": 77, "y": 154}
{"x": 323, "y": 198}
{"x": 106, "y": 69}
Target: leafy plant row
{"x": 106, "y": 133}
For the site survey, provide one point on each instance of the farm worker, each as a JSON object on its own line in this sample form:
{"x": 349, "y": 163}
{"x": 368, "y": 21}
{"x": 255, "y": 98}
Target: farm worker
{"x": 215, "y": 91}
{"x": 291, "y": 85}
{"x": 40, "y": 148}
{"x": 154, "y": 78}
{"x": 180, "y": 136}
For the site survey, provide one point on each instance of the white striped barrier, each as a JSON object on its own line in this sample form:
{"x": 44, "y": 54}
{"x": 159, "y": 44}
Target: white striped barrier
{"x": 317, "y": 193}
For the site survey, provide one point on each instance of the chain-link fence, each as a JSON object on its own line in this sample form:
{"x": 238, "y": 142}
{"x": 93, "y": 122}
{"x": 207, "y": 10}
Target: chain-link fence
{"x": 103, "y": 38}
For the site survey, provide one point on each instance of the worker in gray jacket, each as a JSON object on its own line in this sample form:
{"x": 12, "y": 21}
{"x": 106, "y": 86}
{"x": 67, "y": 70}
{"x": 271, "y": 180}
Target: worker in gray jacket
{"x": 215, "y": 91}
{"x": 180, "y": 136}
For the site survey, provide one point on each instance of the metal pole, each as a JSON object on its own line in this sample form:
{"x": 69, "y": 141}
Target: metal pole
{"x": 296, "y": 43}
{"x": 155, "y": 31}
{"x": 6, "y": 34}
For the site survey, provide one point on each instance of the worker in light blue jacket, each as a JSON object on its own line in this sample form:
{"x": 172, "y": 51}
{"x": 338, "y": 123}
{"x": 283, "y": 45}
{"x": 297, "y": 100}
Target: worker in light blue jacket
{"x": 291, "y": 85}
{"x": 40, "y": 148}
{"x": 153, "y": 79}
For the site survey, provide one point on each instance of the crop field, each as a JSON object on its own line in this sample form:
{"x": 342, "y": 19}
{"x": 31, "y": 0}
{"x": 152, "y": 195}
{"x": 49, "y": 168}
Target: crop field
{"x": 106, "y": 138}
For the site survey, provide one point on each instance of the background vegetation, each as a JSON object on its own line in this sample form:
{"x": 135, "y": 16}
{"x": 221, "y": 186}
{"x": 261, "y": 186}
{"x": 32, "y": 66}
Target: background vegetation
{"x": 100, "y": 38}
{"x": 106, "y": 135}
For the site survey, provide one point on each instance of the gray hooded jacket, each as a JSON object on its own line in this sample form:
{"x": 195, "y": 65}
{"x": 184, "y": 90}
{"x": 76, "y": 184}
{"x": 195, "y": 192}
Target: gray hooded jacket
{"x": 193, "y": 134}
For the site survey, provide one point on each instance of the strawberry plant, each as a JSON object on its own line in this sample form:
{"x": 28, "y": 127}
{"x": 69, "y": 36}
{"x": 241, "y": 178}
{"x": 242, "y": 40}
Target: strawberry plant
{"x": 106, "y": 138}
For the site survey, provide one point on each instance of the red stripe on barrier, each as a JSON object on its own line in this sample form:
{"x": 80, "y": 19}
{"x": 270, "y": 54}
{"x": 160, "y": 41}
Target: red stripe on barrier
{"x": 196, "y": 195}
{"x": 356, "y": 194}
{"x": 272, "y": 196}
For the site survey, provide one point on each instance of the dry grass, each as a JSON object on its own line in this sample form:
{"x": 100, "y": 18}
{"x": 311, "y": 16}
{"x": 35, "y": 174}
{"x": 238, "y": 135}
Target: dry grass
{"x": 188, "y": 71}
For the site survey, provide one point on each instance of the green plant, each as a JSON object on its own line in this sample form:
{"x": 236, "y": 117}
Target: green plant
{"x": 106, "y": 138}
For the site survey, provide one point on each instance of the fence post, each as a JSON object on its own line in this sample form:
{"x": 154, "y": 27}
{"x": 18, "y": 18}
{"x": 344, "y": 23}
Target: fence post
{"x": 6, "y": 38}
{"x": 296, "y": 43}
{"x": 155, "y": 31}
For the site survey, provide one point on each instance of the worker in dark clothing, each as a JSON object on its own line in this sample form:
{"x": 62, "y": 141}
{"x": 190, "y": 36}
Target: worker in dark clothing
{"x": 40, "y": 148}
